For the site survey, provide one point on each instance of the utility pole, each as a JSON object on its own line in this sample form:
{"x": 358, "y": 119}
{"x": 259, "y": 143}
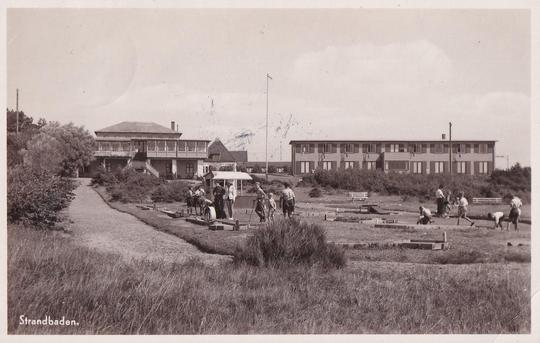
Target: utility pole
{"x": 268, "y": 78}
{"x": 450, "y": 150}
{"x": 17, "y": 112}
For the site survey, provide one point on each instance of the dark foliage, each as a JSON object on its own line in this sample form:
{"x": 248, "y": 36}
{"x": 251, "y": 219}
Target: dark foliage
{"x": 289, "y": 242}
{"x": 37, "y": 197}
{"x": 315, "y": 193}
{"x": 500, "y": 184}
{"x": 132, "y": 186}
{"x": 170, "y": 192}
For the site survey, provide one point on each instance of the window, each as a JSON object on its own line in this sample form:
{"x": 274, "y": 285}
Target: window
{"x": 304, "y": 148}
{"x": 160, "y": 145}
{"x": 189, "y": 169}
{"x": 201, "y": 146}
{"x": 368, "y": 148}
{"x": 125, "y": 146}
{"x": 105, "y": 146}
{"x": 304, "y": 168}
{"x": 436, "y": 148}
{"x": 115, "y": 146}
{"x": 483, "y": 148}
{"x": 461, "y": 167}
{"x": 151, "y": 146}
{"x": 482, "y": 167}
{"x": 327, "y": 165}
{"x": 371, "y": 165}
{"x": 349, "y": 148}
{"x": 348, "y": 164}
{"x": 327, "y": 148}
{"x": 416, "y": 167}
{"x": 438, "y": 167}
{"x": 171, "y": 146}
{"x": 396, "y": 165}
{"x": 181, "y": 145}
{"x": 108, "y": 165}
{"x": 191, "y": 146}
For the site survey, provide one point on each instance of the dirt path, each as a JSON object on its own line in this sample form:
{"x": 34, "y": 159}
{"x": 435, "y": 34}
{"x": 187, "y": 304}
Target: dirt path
{"x": 100, "y": 227}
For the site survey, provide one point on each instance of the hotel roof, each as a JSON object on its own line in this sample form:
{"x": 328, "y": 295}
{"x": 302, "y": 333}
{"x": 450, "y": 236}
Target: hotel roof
{"x": 138, "y": 127}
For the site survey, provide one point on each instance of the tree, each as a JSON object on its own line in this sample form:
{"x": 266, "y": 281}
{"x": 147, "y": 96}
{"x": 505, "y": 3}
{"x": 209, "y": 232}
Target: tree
{"x": 272, "y": 169}
{"x": 16, "y": 142}
{"x": 256, "y": 169}
{"x": 77, "y": 146}
{"x": 43, "y": 152}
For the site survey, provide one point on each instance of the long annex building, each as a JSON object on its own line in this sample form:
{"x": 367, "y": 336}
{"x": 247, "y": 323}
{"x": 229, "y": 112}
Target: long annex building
{"x": 472, "y": 157}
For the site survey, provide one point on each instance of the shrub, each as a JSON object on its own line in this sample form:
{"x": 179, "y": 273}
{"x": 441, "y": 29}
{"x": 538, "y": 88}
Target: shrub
{"x": 132, "y": 186}
{"x": 103, "y": 178}
{"x": 288, "y": 242}
{"x": 37, "y": 196}
{"x": 315, "y": 193}
{"x": 170, "y": 192}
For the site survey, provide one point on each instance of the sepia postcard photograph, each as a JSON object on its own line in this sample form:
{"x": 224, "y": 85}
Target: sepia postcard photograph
{"x": 239, "y": 170}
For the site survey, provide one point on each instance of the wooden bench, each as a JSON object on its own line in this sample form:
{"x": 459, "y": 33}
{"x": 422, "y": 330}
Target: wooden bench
{"x": 487, "y": 200}
{"x": 362, "y": 196}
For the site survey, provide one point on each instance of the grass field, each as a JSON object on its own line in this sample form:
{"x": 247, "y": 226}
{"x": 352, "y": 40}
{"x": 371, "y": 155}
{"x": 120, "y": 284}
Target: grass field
{"x": 50, "y": 275}
{"x": 479, "y": 285}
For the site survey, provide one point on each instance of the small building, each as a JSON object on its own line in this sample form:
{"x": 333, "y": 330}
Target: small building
{"x": 221, "y": 158}
{"x": 150, "y": 148}
{"x": 470, "y": 157}
{"x": 238, "y": 179}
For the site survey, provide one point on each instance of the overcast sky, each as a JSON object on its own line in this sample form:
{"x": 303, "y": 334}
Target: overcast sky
{"x": 337, "y": 74}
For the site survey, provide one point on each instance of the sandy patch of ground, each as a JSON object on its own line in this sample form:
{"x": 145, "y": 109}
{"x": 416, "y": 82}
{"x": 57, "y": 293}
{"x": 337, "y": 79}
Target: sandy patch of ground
{"x": 100, "y": 227}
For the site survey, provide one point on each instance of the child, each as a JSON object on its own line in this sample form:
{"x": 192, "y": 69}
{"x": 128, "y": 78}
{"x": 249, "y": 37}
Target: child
{"x": 425, "y": 216}
{"x": 498, "y": 218}
{"x": 463, "y": 204}
{"x": 271, "y": 206}
{"x": 189, "y": 200}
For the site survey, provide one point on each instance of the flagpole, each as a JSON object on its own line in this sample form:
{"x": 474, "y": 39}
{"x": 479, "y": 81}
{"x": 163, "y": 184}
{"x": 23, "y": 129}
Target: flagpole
{"x": 268, "y": 78}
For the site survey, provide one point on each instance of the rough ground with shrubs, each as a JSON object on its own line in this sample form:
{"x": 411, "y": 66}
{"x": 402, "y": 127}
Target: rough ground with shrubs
{"x": 107, "y": 295}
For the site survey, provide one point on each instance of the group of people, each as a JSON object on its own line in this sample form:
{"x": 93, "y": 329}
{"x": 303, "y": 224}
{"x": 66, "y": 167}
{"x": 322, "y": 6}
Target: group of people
{"x": 444, "y": 207}
{"x": 265, "y": 205}
{"x": 195, "y": 200}
{"x": 513, "y": 217}
{"x": 224, "y": 196}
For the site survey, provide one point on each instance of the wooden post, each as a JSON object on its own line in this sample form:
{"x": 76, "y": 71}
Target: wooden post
{"x": 444, "y": 237}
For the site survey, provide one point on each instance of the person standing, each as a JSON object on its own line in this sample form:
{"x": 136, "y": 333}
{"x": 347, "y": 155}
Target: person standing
{"x": 439, "y": 195}
{"x": 515, "y": 212}
{"x": 189, "y": 200}
{"x": 463, "y": 205}
{"x": 198, "y": 199}
{"x": 218, "y": 193}
{"x": 230, "y": 197}
{"x": 271, "y": 207}
{"x": 259, "y": 206}
{"x": 288, "y": 200}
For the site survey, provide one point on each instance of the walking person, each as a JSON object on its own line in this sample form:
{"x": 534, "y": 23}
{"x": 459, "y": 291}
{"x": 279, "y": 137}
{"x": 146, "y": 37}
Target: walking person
{"x": 288, "y": 200}
{"x": 230, "y": 197}
{"x": 259, "y": 206}
{"x": 439, "y": 195}
{"x": 218, "y": 193}
{"x": 498, "y": 218}
{"x": 515, "y": 212}
{"x": 271, "y": 207}
{"x": 463, "y": 205}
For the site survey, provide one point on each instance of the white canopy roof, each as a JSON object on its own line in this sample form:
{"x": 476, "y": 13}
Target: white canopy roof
{"x": 228, "y": 175}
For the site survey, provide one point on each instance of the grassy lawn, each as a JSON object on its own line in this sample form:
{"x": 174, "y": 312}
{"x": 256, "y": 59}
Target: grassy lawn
{"x": 50, "y": 275}
{"x": 479, "y": 285}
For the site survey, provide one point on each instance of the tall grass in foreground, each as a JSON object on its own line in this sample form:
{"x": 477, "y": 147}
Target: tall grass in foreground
{"x": 49, "y": 275}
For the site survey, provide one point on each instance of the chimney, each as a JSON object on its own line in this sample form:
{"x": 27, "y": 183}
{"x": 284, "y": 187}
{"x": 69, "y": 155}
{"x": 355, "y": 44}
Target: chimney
{"x": 443, "y": 136}
{"x": 172, "y": 125}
